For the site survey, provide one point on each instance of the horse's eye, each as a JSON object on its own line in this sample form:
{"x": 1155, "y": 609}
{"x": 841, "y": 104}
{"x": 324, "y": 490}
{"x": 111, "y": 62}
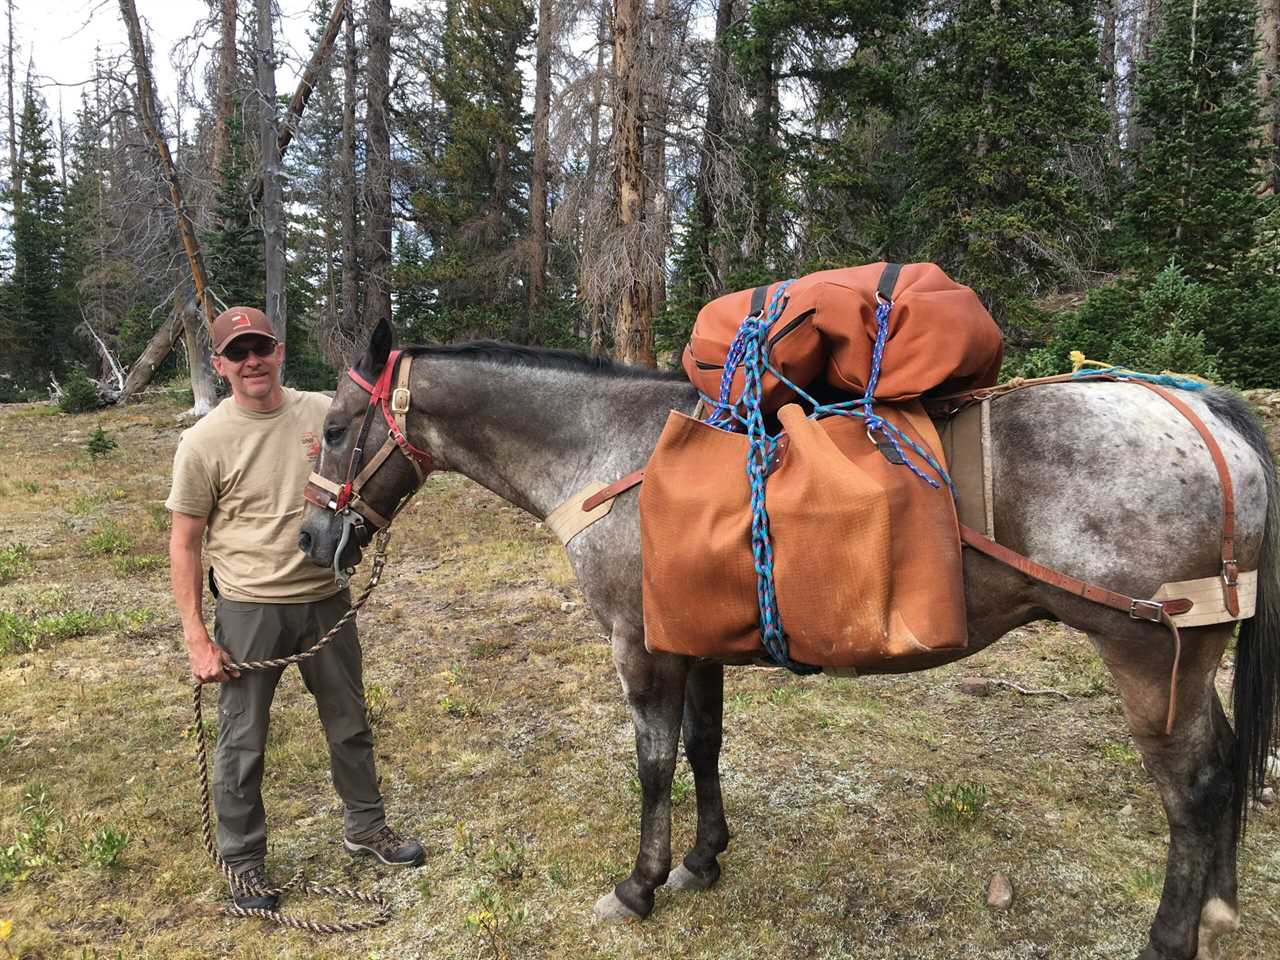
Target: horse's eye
{"x": 333, "y": 433}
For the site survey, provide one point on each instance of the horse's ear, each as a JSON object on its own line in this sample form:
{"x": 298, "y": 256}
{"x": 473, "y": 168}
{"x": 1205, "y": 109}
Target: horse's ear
{"x": 375, "y": 355}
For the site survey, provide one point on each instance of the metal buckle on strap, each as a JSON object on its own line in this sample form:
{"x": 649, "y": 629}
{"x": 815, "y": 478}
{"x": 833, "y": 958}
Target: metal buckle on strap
{"x": 1230, "y": 573}
{"x": 1152, "y": 610}
{"x": 400, "y": 400}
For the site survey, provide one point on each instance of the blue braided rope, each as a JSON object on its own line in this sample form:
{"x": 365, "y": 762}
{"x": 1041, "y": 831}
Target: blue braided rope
{"x": 761, "y": 448}
{"x": 1162, "y": 379}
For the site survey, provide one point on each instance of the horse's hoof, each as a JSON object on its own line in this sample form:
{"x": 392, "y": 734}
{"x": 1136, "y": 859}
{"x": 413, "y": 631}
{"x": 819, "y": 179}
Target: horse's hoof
{"x": 682, "y": 878}
{"x": 612, "y": 910}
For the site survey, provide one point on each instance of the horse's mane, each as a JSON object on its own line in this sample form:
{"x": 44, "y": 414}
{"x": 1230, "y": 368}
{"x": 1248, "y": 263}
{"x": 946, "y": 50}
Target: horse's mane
{"x": 515, "y": 355}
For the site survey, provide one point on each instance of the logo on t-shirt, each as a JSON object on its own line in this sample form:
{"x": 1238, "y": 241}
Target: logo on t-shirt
{"x": 312, "y": 444}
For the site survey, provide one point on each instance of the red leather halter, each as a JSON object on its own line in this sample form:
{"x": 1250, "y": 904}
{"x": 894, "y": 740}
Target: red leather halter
{"x": 394, "y": 402}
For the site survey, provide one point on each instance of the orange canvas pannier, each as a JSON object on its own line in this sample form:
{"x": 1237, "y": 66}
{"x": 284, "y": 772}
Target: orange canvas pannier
{"x": 867, "y": 563}
{"x": 940, "y": 338}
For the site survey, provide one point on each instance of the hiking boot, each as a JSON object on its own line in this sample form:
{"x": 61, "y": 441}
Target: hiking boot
{"x": 251, "y": 890}
{"x": 389, "y": 847}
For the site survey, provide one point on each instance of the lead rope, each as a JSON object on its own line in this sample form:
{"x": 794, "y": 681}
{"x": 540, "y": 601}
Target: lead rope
{"x": 206, "y": 806}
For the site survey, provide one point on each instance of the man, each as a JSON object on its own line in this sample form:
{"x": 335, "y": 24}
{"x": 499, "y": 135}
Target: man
{"x": 238, "y": 477}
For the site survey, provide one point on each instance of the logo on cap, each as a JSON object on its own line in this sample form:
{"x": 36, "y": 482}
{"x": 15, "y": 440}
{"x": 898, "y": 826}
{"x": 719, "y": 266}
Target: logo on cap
{"x": 241, "y": 320}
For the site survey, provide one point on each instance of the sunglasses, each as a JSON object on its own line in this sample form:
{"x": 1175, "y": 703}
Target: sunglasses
{"x": 237, "y": 351}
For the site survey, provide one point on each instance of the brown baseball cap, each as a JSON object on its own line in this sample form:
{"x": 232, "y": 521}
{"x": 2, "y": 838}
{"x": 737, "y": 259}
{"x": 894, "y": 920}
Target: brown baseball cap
{"x": 236, "y": 322}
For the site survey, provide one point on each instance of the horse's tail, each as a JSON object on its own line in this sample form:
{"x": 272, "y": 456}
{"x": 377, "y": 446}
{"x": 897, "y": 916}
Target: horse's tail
{"x": 1256, "y": 694}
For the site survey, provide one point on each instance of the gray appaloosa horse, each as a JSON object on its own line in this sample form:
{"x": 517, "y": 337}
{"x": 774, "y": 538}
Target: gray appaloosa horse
{"x": 1105, "y": 481}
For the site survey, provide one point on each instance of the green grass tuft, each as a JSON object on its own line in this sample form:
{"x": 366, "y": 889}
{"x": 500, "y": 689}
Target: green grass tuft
{"x": 15, "y": 560}
{"x": 956, "y": 804}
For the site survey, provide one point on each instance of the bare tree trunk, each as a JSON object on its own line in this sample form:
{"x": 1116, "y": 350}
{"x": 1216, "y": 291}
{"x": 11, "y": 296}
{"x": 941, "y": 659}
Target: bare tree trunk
{"x": 349, "y": 324}
{"x": 988, "y": 92}
{"x": 302, "y": 93}
{"x": 196, "y": 337}
{"x": 1107, "y": 63}
{"x": 62, "y": 147}
{"x": 1269, "y": 88}
{"x": 147, "y": 112}
{"x": 15, "y": 177}
{"x": 541, "y": 160}
{"x": 144, "y": 368}
{"x": 596, "y": 319}
{"x": 713, "y": 253}
{"x": 377, "y": 178}
{"x": 659, "y": 72}
{"x": 276, "y": 307}
{"x": 1146, "y": 27}
{"x": 766, "y": 109}
{"x": 226, "y": 83}
{"x": 633, "y": 325}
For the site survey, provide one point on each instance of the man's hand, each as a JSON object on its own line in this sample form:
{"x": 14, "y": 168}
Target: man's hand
{"x": 209, "y": 662}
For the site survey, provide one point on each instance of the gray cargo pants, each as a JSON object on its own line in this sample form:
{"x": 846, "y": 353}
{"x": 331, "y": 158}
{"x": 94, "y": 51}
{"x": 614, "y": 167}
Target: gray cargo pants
{"x": 265, "y": 631}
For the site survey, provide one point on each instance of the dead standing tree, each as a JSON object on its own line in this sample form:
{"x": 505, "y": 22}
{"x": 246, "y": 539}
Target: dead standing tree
{"x": 196, "y": 339}
{"x": 163, "y": 339}
{"x": 273, "y": 226}
{"x": 633, "y": 323}
{"x": 377, "y": 180}
{"x": 346, "y": 335}
{"x": 1269, "y": 89}
{"x": 541, "y": 165}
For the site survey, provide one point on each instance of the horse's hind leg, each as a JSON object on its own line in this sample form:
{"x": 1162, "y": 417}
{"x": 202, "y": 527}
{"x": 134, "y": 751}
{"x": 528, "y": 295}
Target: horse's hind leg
{"x": 1192, "y": 770}
{"x": 655, "y": 690}
{"x": 703, "y": 734}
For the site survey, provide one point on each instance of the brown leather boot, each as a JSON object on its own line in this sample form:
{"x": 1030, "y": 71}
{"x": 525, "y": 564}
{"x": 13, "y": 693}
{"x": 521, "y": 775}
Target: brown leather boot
{"x": 389, "y": 847}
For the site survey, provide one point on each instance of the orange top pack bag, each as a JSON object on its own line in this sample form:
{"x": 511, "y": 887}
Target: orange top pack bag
{"x": 941, "y": 338}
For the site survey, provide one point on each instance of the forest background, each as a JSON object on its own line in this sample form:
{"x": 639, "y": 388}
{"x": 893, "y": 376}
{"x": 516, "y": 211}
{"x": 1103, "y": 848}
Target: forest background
{"x": 588, "y": 174}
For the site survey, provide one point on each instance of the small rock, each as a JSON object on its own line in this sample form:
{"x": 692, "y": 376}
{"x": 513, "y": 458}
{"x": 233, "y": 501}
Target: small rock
{"x": 1267, "y": 798}
{"x": 1126, "y": 810}
{"x": 1000, "y": 893}
{"x": 975, "y": 687}
{"x": 568, "y": 606}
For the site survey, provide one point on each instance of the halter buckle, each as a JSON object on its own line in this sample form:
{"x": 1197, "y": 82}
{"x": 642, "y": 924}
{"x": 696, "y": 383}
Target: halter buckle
{"x": 400, "y": 401}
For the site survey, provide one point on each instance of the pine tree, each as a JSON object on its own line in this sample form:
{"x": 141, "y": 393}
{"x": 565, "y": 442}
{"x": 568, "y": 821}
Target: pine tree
{"x": 234, "y": 247}
{"x": 313, "y": 200}
{"x": 86, "y": 279}
{"x": 472, "y": 207}
{"x": 1007, "y": 96}
{"x": 39, "y": 324}
{"x": 1195, "y": 191}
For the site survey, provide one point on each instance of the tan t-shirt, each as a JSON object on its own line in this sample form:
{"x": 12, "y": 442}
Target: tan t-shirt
{"x": 245, "y": 472}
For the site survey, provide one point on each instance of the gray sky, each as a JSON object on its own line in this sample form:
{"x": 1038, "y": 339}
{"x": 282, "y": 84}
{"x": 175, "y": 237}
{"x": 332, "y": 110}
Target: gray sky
{"x": 60, "y": 36}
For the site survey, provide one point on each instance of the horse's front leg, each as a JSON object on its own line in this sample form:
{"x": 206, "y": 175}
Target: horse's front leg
{"x": 655, "y": 687}
{"x": 703, "y": 734}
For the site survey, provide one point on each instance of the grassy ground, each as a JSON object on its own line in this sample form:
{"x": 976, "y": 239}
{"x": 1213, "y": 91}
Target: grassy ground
{"x": 504, "y": 745}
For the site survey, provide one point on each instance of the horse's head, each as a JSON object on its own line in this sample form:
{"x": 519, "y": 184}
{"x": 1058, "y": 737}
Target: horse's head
{"x": 367, "y": 467}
